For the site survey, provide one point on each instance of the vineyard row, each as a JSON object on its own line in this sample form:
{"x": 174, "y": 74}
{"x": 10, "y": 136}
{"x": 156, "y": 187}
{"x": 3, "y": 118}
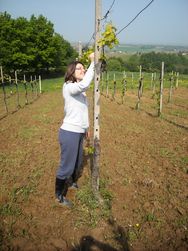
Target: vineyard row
{"x": 16, "y": 93}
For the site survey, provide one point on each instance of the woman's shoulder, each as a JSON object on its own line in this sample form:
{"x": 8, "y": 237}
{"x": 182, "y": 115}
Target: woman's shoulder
{"x": 68, "y": 83}
{"x": 67, "y": 86}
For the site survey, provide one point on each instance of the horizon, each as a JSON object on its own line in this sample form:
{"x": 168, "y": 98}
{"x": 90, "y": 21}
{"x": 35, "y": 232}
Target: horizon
{"x": 137, "y": 44}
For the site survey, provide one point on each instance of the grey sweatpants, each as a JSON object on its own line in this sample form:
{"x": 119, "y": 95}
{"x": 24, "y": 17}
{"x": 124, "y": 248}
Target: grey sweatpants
{"x": 71, "y": 144}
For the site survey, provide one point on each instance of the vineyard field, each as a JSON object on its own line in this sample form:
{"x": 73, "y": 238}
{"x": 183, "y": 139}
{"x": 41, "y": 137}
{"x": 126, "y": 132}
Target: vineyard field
{"x": 143, "y": 176}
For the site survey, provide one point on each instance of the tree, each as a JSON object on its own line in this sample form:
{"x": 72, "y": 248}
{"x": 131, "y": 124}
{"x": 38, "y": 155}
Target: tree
{"x": 114, "y": 64}
{"x": 32, "y": 45}
{"x": 6, "y": 34}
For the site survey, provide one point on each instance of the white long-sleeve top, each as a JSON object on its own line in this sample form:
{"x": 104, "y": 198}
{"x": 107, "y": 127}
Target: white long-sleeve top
{"x": 76, "y": 117}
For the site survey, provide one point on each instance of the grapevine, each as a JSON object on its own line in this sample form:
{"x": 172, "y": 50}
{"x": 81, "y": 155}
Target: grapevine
{"x": 85, "y": 56}
{"x": 108, "y": 38}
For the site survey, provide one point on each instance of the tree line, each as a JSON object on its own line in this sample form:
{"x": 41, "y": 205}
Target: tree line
{"x": 33, "y": 46}
{"x": 151, "y": 62}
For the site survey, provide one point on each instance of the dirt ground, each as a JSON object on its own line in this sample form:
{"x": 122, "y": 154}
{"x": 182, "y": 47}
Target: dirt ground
{"x": 143, "y": 166}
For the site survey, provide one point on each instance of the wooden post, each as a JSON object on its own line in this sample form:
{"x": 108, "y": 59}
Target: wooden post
{"x": 161, "y": 90}
{"x": 26, "y": 94}
{"x": 114, "y": 91}
{"x": 36, "y": 87}
{"x": 140, "y": 89}
{"x": 17, "y": 91}
{"x": 141, "y": 81}
{"x": 152, "y": 81}
{"x": 124, "y": 84}
{"x": 11, "y": 89}
{"x": 132, "y": 81}
{"x": 40, "y": 85}
{"x": 107, "y": 79}
{"x": 140, "y": 72}
{"x": 139, "y": 94}
{"x": 4, "y": 92}
{"x": 171, "y": 88}
{"x": 96, "y": 135}
{"x": 102, "y": 82}
{"x": 177, "y": 79}
{"x": 32, "y": 87}
{"x": 2, "y": 78}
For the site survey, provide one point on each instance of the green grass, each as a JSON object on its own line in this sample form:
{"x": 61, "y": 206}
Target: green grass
{"x": 52, "y": 84}
{"x": 89, "y": 210}
{"x": 150, "y": 217}
{"x": 164, "y": 152}
{"x": 10, "y": 208}
{"x": 179, "y": 113}
{"x": 28, "y": 132}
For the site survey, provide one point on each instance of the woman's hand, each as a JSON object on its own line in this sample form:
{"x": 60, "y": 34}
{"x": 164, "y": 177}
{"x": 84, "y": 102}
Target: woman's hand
{"x": 88, "y": 135}
{"x": 92, "y": 56}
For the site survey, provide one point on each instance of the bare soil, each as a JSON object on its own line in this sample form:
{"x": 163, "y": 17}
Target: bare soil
{"x": 143, "y": 163}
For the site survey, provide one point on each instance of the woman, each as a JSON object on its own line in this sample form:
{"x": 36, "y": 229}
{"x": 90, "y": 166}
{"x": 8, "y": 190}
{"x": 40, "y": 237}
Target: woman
{"x": 74, "y": 127}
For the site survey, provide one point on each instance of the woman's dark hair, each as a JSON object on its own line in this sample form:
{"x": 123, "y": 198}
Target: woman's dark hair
{"x": 69, "y": 75}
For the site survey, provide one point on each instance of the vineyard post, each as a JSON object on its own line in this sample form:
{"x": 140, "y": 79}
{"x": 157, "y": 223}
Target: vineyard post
{"x": 107, "y": 79}
{"x": 4, "y": 92}
{"x": 114, "y": 91}
{"x": 40, "y": 86}
{"x": 140, "y": 89}
{"x": 31, "y": 82}
{"x": 171, "y": 88}
{"x": 177, "y": 79}
{"x": 140, "y": 74}
{"x": 141, "y": 81}
{"x": 102, "y": 82}
{"x": 36, "y": 87}
{"x": 161, "y": 90}
{"x": 139, "y": 94}
{"x": 96, "y": 135}
{"x": 132, "y": 80}
{"x": 124, "y": 83}
{"x": 152, "y": 81}
{"x": 10, "y": 82}
{"x": 17, "y": 91}
{"x": 26, "y": 96}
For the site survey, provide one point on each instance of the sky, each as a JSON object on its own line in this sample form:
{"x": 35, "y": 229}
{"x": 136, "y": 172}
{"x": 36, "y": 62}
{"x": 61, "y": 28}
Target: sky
{"x": 164, "y": 22}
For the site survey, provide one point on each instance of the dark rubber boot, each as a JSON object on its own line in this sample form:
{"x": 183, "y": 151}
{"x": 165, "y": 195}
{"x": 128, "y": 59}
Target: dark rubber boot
{"x": 61, "y": 188}
{"x": 74, "y": 186}
{"x": 75, "y": 176}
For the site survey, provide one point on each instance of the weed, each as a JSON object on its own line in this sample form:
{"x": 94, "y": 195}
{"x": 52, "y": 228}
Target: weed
{"x": 28, "y": 132}
{"x": 24, "y": 191}
{"x": 182, "y": 222}
{"x": 184, "y": 164}
{"x": 89, "y": 208}
{"x": 126, "y": 181}
{"x": 150, "y": 217}
{"x": 89, "y": 150}
{"x": 86, "y": 197}
{"x": 179, "y": 113}
{"x": 2, "y": 157}
{"x": 132, "y": 236}
{"x": 10, "y": 208}
{"x": 42, "y": 118}
{"x": 184, "y": 160}
{"x": 164, "y": 152}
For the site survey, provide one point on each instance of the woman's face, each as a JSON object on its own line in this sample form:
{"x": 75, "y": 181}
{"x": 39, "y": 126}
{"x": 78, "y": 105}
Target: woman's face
{"x": 79, "y": 72}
